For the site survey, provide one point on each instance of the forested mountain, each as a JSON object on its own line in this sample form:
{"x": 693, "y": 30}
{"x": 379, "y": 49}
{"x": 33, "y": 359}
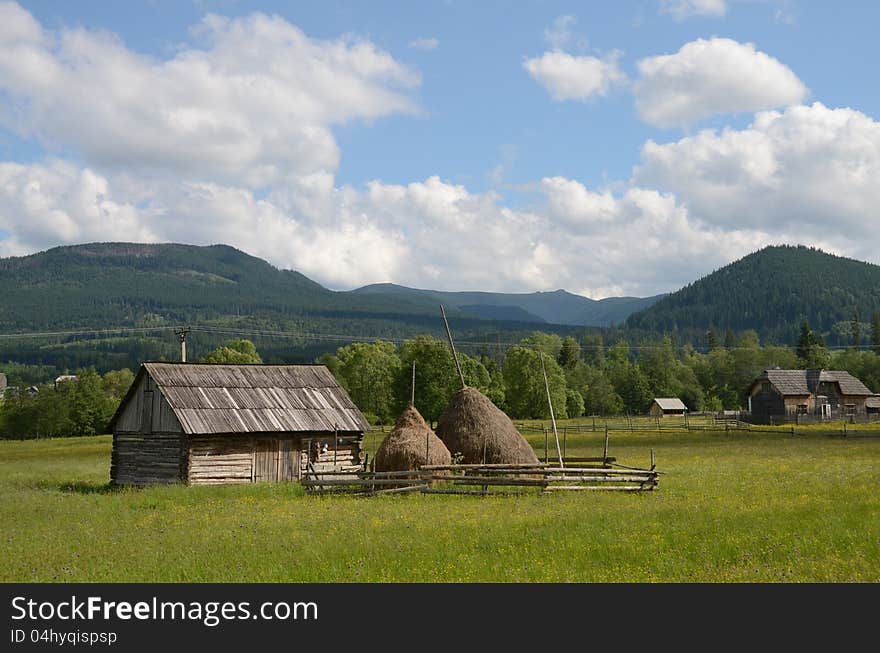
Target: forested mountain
{"x": 113, "y": 285}
{"x": 110, "y": 285}
{"x": 557, "y": 307}
{"x": 773, "y": 291}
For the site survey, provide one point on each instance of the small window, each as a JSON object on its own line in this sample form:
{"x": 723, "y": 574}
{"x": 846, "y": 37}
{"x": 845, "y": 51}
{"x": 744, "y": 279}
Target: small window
{"x": 850, "y": 409}
{"x": 802, "y": 409}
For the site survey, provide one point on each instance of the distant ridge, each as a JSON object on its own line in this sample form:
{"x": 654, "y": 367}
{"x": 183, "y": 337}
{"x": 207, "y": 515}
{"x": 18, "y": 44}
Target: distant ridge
{"x": 556, "y": 307}
{"x": 132, "y": 284}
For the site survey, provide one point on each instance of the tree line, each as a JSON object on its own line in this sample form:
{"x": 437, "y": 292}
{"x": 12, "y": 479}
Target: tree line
{"x": 83, "y": 403}
{"x": 584, "y": 376}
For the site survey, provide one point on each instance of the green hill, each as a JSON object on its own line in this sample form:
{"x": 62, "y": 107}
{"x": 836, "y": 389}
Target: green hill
{"x": 772, "y": 291}
{"x": 111, "y": 285}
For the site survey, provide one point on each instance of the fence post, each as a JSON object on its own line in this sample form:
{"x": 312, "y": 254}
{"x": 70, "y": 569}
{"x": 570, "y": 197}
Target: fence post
{"x": 546, "y": 446}
{"x": 605, "y": 451}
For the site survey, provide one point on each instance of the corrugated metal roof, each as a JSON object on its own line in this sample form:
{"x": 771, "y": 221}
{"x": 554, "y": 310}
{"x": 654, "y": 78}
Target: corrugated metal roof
{"x": 805, "y": 382}
{"x": 670, "y": 403}
{"x": 210, "y": 399}
{"x": 873, "y": 402}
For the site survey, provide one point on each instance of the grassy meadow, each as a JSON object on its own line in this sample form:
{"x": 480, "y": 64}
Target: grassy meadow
{"x": 731, "y": 507}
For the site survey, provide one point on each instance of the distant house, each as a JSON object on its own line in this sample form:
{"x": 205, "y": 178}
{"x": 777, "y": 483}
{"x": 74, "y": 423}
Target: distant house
{"x": 822, "y": 393}
{"x": 2, "y": 384}
{"x": 217, "y": 424}
{"x": 662, "y": 406}
{"x": 64, "y": 378}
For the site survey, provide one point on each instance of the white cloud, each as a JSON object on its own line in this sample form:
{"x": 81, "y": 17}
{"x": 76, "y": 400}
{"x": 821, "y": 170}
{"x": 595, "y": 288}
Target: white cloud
{"x": 568, "y": 77}
{"x": 809, "y": 171}
{"x": 425, "y": 44}
{"x": 805, "y": 174}
{"x": 713, "y": 76}
{"x": 684, "y": 9}
{"x": 252, "y": 104}
{"x": 560, "y": 34}
{"x": 42, "y": 205}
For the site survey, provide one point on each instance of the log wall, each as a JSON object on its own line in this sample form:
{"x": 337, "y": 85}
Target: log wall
{"x": 143, "y": 459}
{"x": 220, "y": 461}
{"x": 347, "y": 455}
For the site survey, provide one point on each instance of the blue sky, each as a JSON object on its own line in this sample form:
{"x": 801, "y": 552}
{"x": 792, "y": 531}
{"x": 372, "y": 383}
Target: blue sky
{"x": 607, "y": 148}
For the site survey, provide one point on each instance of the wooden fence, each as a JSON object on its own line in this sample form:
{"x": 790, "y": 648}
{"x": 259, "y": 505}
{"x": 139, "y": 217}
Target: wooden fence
{"x": 600, "y": 474}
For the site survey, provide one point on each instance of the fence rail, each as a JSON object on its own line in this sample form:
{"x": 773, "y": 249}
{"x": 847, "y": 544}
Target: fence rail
{"x": 602, "y": 475}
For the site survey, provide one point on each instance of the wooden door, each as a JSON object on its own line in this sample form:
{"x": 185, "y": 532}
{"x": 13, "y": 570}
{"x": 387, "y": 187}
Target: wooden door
{"x": 289, "y": 460}
{"x": 265, "y": 460}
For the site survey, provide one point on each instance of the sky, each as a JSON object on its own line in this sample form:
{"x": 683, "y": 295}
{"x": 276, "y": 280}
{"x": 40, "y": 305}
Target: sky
{"x": 609, "y": 149}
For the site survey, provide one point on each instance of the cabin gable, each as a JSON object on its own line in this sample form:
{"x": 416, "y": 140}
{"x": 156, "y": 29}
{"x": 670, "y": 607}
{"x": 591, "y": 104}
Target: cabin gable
{"x": 146, "y": 410}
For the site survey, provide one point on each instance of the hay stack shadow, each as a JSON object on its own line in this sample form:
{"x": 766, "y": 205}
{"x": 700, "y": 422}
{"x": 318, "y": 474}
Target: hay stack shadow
{"x": 404, "y": 448}
{"x": 481, "y": 432}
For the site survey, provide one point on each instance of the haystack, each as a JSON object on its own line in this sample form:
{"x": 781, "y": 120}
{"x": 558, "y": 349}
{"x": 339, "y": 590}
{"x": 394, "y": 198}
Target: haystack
{"x": 471, "y": 422}
{"x": 404, "y": 448}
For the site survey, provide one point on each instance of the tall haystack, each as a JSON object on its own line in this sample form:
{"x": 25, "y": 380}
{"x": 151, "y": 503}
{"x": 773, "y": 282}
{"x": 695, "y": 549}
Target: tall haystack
{"x": 471, "y": 422}
{"x": 404, "y": 448}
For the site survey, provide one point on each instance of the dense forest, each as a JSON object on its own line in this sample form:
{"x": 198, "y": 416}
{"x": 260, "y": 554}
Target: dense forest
{"x": 772, "y": 292}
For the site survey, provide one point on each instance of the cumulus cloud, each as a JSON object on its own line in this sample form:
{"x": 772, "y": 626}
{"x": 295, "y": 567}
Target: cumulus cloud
{"x": 262, "y": 173}
{"x": 808, "y": 171}
{"x": 425, "y": 44}
{"x": 568, "y": 77}
{"x": 684, "y": 9}
{"x": 252, "y": 103}
{"x": 713, "y": 76}
{"x": 57, "y": 202}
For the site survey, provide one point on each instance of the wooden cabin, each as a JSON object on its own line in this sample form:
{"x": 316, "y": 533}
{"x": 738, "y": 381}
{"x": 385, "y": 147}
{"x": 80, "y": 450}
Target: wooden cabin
{"x": 662, "y": 406}
{"x": 215, "y": 424}
{"x": 822, "y": 393}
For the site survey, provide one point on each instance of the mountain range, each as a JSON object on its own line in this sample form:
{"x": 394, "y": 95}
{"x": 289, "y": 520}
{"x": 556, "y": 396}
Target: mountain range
{"x": 111, "y": 285}
{"x": 123, "y": 284}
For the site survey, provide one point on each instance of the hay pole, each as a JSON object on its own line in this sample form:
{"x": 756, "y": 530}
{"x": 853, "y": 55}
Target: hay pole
{"x": 552, "y": 416}
{"x": 452, "y": 346}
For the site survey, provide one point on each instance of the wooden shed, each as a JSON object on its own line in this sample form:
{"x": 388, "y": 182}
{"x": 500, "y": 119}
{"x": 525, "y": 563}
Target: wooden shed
{"x": 667, "y": 406}
{"x": 216, "y": 424}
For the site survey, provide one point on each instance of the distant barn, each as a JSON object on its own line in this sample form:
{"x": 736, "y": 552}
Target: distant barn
{"x": 822, "y": 393}
{"x": 667, "y": 406}
{"x": 218, "y": 424}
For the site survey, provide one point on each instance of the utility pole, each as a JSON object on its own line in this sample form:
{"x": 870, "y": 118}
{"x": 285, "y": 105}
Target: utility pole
{"x": 181, "y": 334}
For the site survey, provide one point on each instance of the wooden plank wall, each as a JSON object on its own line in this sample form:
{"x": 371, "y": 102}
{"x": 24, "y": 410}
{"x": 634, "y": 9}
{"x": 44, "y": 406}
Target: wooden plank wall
{"x": 148, "y": 411}
{"x": 348, "y": 454}
{"x": 142, "y": 459}
{"x": 220, "y": 461}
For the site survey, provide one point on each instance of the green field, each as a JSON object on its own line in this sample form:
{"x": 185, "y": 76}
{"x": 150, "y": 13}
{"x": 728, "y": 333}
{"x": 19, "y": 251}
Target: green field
{"x": 730, "y": 507}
